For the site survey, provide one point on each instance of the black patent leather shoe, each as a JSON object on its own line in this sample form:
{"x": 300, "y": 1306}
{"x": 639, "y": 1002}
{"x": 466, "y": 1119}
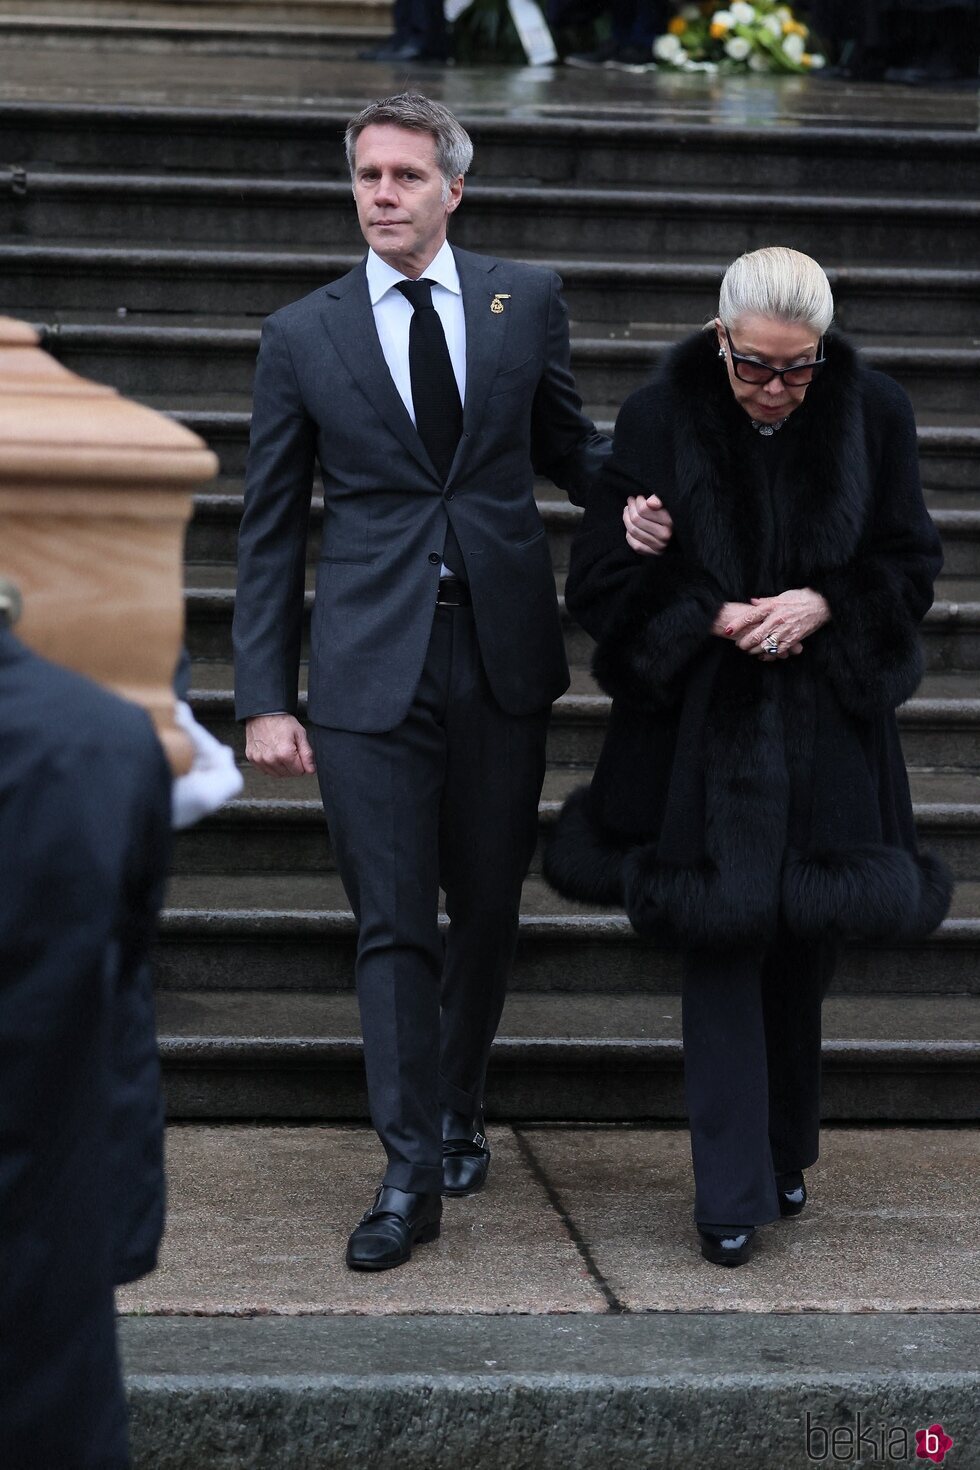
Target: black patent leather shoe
{"x": 726, "y": 1247}
{"x": 791, "y": 1189}
{"x": 395, "y": 1222}
{"x": 465, "y": 1154}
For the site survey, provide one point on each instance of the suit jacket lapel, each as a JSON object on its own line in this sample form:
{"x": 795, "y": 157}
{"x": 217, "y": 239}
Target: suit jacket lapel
{"x": 349, "y": 322}
{"x": 480, "y": 279}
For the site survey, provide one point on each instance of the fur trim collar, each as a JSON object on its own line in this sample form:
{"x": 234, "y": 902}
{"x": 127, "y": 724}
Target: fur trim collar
{"x": 716, "y": 488}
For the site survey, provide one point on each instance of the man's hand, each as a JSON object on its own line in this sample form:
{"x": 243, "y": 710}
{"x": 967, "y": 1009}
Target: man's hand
{"x": 277, "y": 745}
{"x": 648, "y": 524}
{"x": 740, "y": 621}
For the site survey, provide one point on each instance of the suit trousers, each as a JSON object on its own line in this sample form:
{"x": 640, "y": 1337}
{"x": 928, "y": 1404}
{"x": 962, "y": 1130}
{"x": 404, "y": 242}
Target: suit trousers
{"x": 448, "y": 798}
{"x": 751, "y": 1027}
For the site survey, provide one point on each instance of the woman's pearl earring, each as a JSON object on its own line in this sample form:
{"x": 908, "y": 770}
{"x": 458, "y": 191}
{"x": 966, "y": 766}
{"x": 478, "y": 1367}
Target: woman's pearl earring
{"x": 721, "y": 353}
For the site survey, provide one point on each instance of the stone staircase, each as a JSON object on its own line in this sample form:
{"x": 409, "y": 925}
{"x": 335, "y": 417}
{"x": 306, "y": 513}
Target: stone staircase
{"x": 565, "y": 1320}
{"x": 148, "y": 242}
{"x": 328, "y": 28}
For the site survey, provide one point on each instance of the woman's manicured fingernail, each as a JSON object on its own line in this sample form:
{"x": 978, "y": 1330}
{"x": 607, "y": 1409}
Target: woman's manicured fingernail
{"x": 729, "y": 632}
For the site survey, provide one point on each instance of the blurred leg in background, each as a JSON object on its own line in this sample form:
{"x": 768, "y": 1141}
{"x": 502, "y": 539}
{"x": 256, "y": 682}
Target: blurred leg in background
{"x": 918, "y": 42}
{"x": 632, "y": 27}
{"x": 419, "y": 34}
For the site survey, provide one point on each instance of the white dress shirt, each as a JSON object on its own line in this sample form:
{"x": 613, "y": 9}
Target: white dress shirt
{"x": 393, "y": 317}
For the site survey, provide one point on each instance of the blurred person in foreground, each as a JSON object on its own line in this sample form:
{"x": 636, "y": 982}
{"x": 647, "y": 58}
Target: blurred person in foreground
{"x": 86, "y": 805}
{"x": 84, "y": 840}
{"x": 751, "y": 804}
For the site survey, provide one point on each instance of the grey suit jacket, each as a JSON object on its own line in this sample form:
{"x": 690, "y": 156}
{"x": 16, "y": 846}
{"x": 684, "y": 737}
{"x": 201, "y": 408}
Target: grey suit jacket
{"x": 323, "y": 393}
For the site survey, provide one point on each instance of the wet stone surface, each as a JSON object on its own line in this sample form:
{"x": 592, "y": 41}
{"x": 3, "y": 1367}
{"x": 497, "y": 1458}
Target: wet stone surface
{"x": 145, "y": 76}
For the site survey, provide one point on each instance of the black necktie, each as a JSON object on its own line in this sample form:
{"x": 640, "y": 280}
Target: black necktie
{"x": 435, "y": 393}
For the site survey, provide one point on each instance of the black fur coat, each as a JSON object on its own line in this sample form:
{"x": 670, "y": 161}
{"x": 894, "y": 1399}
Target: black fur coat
{"x": 731, "y": 794}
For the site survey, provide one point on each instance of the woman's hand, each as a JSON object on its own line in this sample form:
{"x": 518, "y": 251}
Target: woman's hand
{"x": 789, "y": 619}
{"x": 735, "y": 618}
{"x": 740, "y": 622}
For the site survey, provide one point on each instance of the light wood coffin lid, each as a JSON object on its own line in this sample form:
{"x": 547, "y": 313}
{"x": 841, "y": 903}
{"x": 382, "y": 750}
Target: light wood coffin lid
{"x": 95, "y": 496}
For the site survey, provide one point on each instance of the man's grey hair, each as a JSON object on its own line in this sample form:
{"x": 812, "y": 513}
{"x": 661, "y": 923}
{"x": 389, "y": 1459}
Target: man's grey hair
{"x": 454, "y": 150}
{"x": 778, "y": 283}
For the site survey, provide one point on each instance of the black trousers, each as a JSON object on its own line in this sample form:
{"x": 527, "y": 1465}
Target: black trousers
{"x": 423, "y": 23}
{"x": 449, "y": 798}
{"x": 751, "y": 1026}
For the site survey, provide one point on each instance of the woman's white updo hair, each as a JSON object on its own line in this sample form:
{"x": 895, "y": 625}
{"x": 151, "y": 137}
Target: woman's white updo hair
{"x": 778, "y": 283}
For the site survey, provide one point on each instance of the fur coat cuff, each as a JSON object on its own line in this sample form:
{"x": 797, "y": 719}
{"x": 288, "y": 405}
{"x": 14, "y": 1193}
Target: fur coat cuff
{"x": 662, "y": 622}
{"x": 870, "y": 650}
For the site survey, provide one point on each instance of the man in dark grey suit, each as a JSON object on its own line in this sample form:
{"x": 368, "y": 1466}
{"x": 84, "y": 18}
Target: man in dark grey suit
{"x": 430, "y": 384}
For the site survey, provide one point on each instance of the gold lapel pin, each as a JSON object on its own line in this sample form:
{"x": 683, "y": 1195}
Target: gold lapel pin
{"x": 497, "y": 304}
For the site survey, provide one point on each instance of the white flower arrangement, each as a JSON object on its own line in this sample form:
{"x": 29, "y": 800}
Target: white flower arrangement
{"x": 738, "y": 48}
{"x": 668, "y": 48}
{"x": 793, "y": 46}
{"x": 737, "y": 36}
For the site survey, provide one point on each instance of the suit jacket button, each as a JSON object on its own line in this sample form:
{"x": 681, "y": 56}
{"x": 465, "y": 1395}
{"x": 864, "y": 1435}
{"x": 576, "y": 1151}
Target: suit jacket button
{"x": 434, "y": 557}
{"x": 450, "y": 494}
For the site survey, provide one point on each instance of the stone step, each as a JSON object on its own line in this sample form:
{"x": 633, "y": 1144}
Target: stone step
{"x": 933, "y": 791}
{"x": 277, "y": 825}
{"x": 181, "y": 360}
{"x": 212, "y": 535}
{"x": 278, "y": 1054}
{"x": 960, "y": 530}
{"x": 569, "y": 1294}
{"x": 949, "y": 445}
{"x": 295, "y": 932}
{"x": 337, "y": 41}
{"x": 658, "y": 223}
{"x": 951, "y": 630}
{"x": 323, "y": 28}
{"x": 233, "y": 13}
{"x": 940, "y": 727}
{"x": 529, "y": 138}
{"x": 44, "y": 281}
{"x": 586, "y": 1389}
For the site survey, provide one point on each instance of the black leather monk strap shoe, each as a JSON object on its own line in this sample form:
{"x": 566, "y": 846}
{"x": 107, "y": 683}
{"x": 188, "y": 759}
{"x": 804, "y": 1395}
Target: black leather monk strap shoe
{"x": 465, "y": 1154}
{"x": 395, "y": 1222}
{"x": 726, "y": 1247}
{"x": 791, "y": 1189}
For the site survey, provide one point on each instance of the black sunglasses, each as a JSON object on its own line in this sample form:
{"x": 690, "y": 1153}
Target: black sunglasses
{"x": 751, "y": 370}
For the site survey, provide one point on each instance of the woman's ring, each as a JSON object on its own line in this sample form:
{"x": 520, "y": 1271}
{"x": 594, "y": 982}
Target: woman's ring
{"x": 770, "y": 644}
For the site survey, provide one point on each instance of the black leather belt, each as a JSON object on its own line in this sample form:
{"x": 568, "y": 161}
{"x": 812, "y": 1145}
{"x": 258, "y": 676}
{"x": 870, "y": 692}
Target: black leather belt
{"x": 453, "y": 593}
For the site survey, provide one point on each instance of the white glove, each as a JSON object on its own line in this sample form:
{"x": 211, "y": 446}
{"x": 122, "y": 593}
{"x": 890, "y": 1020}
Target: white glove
{"x": 212, "y": 780}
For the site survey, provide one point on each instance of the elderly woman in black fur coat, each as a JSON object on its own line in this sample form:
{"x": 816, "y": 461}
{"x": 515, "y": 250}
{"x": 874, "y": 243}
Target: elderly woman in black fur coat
{"x": 751, "y": 803}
